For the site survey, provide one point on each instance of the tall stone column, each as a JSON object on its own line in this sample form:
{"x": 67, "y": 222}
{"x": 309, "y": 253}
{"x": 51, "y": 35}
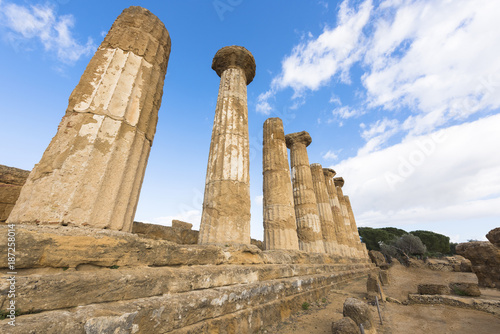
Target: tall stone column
{"x": 352, "y": 220}
{"x": 91, "y": 173}
{"x": 336, "y": 209}
{"x": 339, "y": 183}
{"x": 280, "y": 227}
{"x": 306, "y": 208}
{"x": 324, "y": 210}
{"x": 226, "y": 204}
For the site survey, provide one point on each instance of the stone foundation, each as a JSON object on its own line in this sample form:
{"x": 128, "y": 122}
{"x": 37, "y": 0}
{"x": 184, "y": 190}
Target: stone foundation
{"x": 11, "y": 181}
{"x": 85, "y": 280}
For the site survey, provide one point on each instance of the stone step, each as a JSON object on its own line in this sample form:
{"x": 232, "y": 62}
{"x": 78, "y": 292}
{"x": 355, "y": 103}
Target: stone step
{"x": 71, "y": 288}
{"x": 251, "y": 305}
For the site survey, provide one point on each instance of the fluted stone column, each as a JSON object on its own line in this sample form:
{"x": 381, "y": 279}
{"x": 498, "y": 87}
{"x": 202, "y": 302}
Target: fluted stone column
{"x": 280, "y": 227}
{"x": 306, "y": 208}
{"x": 324, "y": 210}
{"x": 339, "y": 183}
{"x": 226, "y": 204}
{"x": 352, "y": 220}
{"x": 91, "y": 173}
{"x": 338, "y": 218}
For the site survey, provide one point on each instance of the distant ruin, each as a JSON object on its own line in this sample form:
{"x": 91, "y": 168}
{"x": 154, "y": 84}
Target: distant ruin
{"x": 82, "y": 265}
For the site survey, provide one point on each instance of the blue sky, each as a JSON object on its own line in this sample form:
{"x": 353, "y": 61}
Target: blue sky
{"x": 401, "y": 98}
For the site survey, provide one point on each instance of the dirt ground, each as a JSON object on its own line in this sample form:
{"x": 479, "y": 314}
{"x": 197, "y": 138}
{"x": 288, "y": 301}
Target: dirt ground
{"x": 397, "y": 318}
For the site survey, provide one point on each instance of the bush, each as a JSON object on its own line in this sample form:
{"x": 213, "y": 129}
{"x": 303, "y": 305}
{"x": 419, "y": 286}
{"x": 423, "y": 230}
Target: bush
{"x": 403, "y": 247}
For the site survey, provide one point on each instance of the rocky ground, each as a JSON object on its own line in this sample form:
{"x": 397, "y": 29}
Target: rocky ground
{"x": 398, "y": 318}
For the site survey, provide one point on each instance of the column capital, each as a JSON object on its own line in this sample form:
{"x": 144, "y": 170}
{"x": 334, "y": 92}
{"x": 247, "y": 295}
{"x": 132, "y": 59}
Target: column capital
{"x": 328, "y": 172}
{"x": 339, "y": 181}
{"x": 298, "y": 137}
{"x": 234, "y": 56}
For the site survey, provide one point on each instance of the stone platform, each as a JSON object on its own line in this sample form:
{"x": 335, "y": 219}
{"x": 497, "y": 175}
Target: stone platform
{"x": 74, "y": 280}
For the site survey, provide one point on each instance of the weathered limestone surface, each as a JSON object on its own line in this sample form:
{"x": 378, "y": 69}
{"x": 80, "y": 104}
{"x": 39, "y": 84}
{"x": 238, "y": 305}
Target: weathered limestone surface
{"x": 374, "y": 287}
{"x": 433, "y": 289}
{"x": 352, "y": 220}
{"x": 465, "y": 289}
{"x": 345, "y": 326}
{"x": 174, "y": 233}
{"x": 485, "y": 259}
{"x": 57, "y": 246}
{"x": 339, "y": 183}
{"x": 226, "y": 204}
{"x": 11, "y": 181}
{"x": 486, "y": 305}
{"x": 180, "y": 232}
{"x": 338, "y": 218}
{"x": 280, "y": 227}
{"x": 377, "y": 257}
{"x": 306, "y": 208}
{"x": 91, "y": 173}
{"x": 99, "y": 281}
{"x": 239, "y": 308}
{"x": 57, "y": 289}
{"x": 358, "y": 311}
{"x": 324, "y": 210}
{"x": 494, "y": 236}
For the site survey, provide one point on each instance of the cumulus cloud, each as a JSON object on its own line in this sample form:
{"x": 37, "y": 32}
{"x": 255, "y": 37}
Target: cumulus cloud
{"x": 448, "y": 174}
{"x": 314, "y": 62}
{"x": 41, "y": 22}
{"x": 438, "y": 58}
{"x": 330, "y": 155}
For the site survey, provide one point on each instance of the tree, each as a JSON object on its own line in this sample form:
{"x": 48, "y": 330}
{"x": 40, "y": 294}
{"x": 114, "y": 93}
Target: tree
{"x": 373, "y": 236}
{"x": 435, "y": 242}
{"x": 453, "y": 248}
{"x": 395, "y": 231}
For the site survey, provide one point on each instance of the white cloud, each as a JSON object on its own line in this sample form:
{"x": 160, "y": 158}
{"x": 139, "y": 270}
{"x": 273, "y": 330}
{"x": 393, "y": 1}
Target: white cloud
{"x": 450, "y": 174}
{"x": 314, "y": 62}
{"x": 346, "y": 112}
{"x": 330, "y": 155}
{"x": 439, "y": 58}
{"x": 42, "y": 23}
{"x": 377, "y": 134}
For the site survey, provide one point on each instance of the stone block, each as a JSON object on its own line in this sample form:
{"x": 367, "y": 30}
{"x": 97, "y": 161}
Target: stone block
{"x": 485, "y": 260}
{"x": 359, "y": 312}
{"x": 465, "y": 289}
{"x": 11, "y": 175}
{"x": 377, "y": 257}
{"x": 181, "y": 225}
{"x": 345, "y": 326}
{"x": 384, "y": 277}
{"x": 494, "y": 236}
{"x": 433, "y": 289}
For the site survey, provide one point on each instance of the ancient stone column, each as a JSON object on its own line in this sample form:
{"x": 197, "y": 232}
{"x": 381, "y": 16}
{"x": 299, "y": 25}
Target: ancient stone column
{"x": 354, "y": 227}
{"x": 91, "y": 173}
{"x": 339, "y": 183}
{"x": 338, "y": 218}
{"x": 306, "y": 208}
{"x": 280, "y": 227}
{"x": 226, "y": 204}
{"x": 324, "y": 210}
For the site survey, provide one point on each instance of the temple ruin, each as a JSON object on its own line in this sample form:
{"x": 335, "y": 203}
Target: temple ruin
{"x": 84, "y": 266}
